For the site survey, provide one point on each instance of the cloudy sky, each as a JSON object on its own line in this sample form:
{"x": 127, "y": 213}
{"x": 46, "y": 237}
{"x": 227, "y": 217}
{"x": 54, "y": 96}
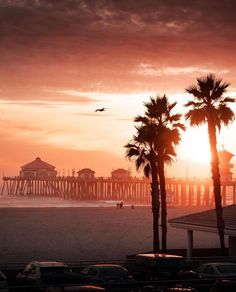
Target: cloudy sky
{"x": 60, "y": 60}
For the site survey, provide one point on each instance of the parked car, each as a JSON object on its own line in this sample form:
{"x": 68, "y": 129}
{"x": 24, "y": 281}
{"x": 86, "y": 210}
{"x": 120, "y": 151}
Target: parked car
{"x": 162, "y": 270}
{"x": 224, "y": 270}
{"x": 3, "y": 283}
{"x": 108, "y": 276}
{"x": 38, "y": 275}
{"x": 155, "y": 266}
{"x": 221, "y": 276}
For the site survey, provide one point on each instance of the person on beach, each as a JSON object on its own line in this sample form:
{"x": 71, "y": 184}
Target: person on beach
{"x": 120, "y": 205}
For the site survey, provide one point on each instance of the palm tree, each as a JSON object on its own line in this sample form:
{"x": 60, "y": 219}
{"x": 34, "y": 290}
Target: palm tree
{"x": 210, "y": 107}
{"x": 167, "y": 136}
{"x": 141, "y": 147}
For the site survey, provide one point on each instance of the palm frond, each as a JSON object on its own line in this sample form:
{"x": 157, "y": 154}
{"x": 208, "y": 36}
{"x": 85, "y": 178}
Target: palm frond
{"x": 171, "y": 106}
{"x": 180, "y": 126}
{"x": 139, "y": 161}
{"x": 131, "y": 152}
{"x": 206, "y": 84}
{"x": 130, "y": 145}
{"x": 196, "y": 116}
{"x": 219, "y": 89}
{"x": 169, "y": 159}
{"x": 226, "y": 115}
{"x": 194, "y": 91}
{"x": 194, "y": 104}
{"x": 147, "y": 170}
{"x": 174, "y": 137}
{"x": 174, "y": 118}
{"x": 218, "y": 92}
{"x": 141, "y": 119}
{"x": 228, "y": 99}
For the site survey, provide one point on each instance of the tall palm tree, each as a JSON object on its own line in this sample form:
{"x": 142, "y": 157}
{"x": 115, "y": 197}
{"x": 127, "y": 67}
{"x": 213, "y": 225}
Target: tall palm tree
{"x": 141, "y": 147}
{"x": 167, "y": 136}
{"x": 210, "y": 107}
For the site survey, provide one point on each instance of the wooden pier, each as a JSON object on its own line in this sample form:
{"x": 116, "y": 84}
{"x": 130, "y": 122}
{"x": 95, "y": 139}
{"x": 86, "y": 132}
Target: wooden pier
{"x": 180, "y": 192}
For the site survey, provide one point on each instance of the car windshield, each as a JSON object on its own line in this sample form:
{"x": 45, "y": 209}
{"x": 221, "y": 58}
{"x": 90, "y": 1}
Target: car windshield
{"x": 227, "y": 269}
{"x": 48, "y": 270}
{"x": 172, "y": 263}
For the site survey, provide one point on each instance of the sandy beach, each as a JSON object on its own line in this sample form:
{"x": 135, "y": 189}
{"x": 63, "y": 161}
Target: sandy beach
{"x": 54, "y": 229}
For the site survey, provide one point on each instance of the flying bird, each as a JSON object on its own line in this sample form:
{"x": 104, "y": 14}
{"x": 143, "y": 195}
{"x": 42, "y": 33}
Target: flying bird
{"x": 100, "y": 109}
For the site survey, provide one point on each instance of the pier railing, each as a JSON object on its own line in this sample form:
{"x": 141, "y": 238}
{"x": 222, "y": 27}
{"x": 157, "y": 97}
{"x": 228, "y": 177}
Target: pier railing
{"x": 180, "y": 192}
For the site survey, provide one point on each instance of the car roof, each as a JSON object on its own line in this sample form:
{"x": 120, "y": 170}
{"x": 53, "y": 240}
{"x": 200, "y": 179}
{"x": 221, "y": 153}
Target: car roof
{"x": 158, "y": 255}
{"x": 45, "y": 264}
{"x": 220, "y": 264}
{"x": 106, "y": 266}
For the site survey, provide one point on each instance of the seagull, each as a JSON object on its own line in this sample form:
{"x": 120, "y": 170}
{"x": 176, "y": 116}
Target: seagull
{"x": 100, "y": 109}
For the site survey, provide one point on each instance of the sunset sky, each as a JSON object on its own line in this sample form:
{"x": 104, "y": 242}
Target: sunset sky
{"x": 60, "y": 60}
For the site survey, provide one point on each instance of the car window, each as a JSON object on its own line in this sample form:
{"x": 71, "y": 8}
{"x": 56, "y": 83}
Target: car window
{"x": 92, "y": 272}
{"x": 209, "y": 270}
{"x": 85, "y": 271}
{"x": 52, "y": 270}
{"x": 171, "y": 263}
{"x": 200, "y": 269}
{"x": 28, "y": 268}
{"x": 32, "y": 270}
{"x": 115, "y": 272}
{"x": 227, "y": 269}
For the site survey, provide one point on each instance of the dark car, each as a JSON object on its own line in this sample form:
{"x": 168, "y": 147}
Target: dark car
{"x": 221, "y": 276}
{"x": 38, "y": 275}
{"x": 108, "y": 276}
{"x": 162, "y": 270}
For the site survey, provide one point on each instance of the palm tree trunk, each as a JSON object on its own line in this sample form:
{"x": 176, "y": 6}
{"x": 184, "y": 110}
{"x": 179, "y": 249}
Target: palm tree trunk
{"x": 161, "y": 174}
{"x": 155, "y": 208}
{"x": 216, "y": 184}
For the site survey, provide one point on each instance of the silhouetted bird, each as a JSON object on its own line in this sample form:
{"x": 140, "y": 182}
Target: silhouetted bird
{"x": 100, "y": 109}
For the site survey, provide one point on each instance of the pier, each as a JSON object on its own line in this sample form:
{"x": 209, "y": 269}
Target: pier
{"x": 180, "y": 192}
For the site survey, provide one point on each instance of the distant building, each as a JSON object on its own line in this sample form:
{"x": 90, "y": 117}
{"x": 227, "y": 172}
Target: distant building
{"x": 86, "y": 174}
{"x": 38, "y": 169}
{"x": 120, "y": 174}
{"x": 225, "y": 165}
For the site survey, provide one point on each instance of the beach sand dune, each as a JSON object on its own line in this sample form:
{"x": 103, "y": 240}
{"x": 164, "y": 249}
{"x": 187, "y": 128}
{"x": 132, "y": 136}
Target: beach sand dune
{"x": 53, "y": 230}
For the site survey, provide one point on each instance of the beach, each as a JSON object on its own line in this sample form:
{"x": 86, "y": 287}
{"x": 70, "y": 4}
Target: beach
{"x": 55, "y": 229}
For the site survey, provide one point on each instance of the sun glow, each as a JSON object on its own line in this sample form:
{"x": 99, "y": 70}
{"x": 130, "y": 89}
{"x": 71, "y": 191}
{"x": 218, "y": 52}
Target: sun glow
{"x": 195, "y": 145}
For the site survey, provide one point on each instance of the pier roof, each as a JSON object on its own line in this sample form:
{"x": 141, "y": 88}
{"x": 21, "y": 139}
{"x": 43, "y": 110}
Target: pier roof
{"x": 86, "y": 170}
{"x": 37, "y": 164}
{"x": 120, "y": 170}
{"x": 206, "y": 221}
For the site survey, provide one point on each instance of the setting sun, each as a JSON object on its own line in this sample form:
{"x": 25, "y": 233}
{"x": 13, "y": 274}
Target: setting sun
{"x": 195, "y": 145}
